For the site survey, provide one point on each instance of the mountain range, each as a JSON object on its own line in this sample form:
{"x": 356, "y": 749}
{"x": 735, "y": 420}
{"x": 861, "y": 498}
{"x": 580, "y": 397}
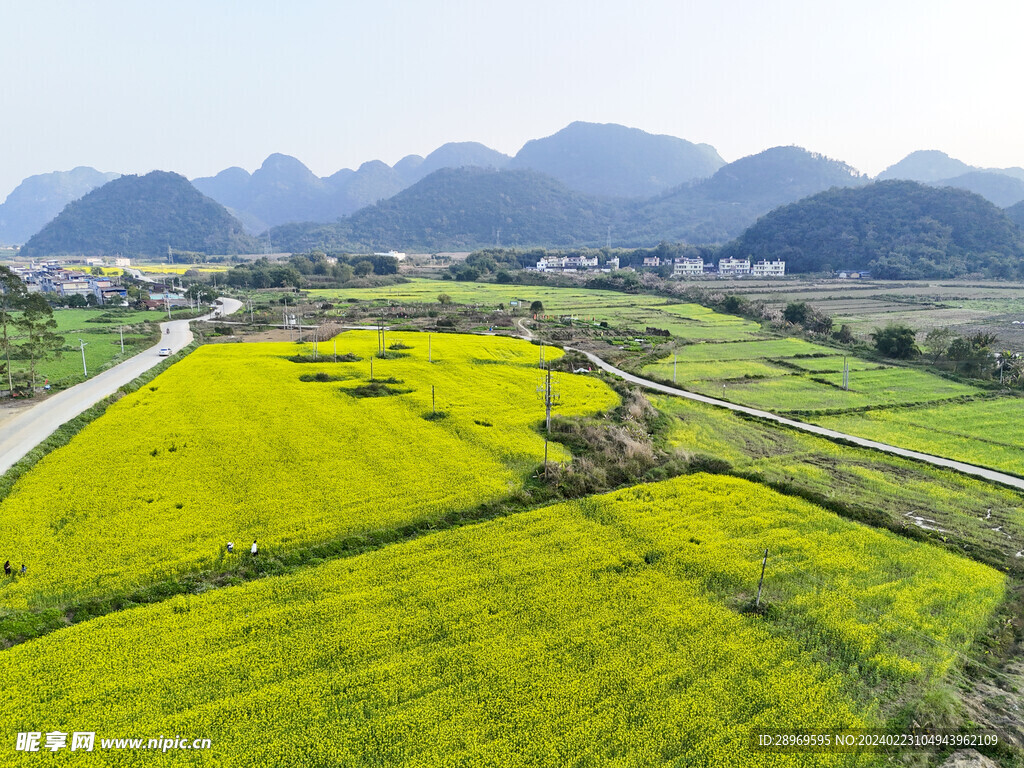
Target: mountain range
{"x": 584, "y": 185}
{"x": 896, "y": 229}
{"x": 457, "y": 209}
{"x": 601, "y": 160}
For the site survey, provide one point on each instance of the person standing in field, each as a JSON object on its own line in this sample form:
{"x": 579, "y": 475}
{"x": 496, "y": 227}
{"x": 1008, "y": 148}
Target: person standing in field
{"x": 254, "y": 550}
{"x": 7, "y": 566}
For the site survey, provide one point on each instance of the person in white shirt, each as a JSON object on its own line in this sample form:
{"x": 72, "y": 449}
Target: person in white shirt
{"x": 254, "y": 550}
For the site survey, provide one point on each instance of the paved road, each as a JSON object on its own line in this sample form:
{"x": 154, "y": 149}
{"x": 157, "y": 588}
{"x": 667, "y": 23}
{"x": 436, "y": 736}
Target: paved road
{"x": 938, "y": 461}
{"x": 25, "y": 431}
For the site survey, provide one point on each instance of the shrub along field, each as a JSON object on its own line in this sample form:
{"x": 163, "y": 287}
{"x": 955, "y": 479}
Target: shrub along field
{"x": 238, "y": 442}
{"x": 590, "y": 633}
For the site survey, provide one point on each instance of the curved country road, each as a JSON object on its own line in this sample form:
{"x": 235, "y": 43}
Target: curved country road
{"x": 25, "y": 431}
{"x": 938, "y": 461}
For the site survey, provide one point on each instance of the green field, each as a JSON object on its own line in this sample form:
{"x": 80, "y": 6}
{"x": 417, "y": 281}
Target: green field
{"x": 986, "y": 432}
{"x": 835, "y": 364}
{"x": 725, "y": 370}
{"x": 231, "y": 444}
{"x": 628, "y": 311}
{"x": 793, "y": 375}
{"x": 797, "y": 393}
{"x": 98, "y": 328}
{"x": 591, "y": 633}
{"x": 754, "y": 350}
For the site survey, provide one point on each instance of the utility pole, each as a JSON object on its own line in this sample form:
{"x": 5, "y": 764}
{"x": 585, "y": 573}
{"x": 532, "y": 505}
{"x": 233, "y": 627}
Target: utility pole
{"x": 846, "y": 373}
{"x": 549, "y": 396}
{"x": 335, "y": 350}
{"x": 757, "y": 603}
{"x": 547, "y": 399}
{"x": 85, "y": 370}
{"x": 541, "y": 363}
{"x": 121, "y": 329}
{"x": 380, "y": 337}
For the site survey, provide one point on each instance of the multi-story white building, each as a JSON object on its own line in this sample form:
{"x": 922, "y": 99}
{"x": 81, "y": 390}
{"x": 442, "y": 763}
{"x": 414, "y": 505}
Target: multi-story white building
{"x": 686, "y": 267}
{"x": 569, "y": 263}
{"x": 769, "y": 268}
{"x": 578, "y": 262}
{"x": 652, "y": 261}
{"x": 734, "y": 266}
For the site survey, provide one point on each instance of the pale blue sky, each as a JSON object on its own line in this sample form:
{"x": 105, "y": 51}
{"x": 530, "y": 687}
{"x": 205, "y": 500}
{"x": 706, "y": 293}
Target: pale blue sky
{"x": 197, "y": 86}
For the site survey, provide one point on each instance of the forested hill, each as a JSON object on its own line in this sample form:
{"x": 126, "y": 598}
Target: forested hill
{"x": 464, "y": 208}
{"x": 141, "y": 216}
{"x": 1016, "y": 214}
{"x": 895, "y": 229}
{"x": 722, "y": 206}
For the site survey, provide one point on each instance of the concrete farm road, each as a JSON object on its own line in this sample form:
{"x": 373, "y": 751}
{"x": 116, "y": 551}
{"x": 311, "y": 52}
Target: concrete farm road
{"x": 22, "y": 433}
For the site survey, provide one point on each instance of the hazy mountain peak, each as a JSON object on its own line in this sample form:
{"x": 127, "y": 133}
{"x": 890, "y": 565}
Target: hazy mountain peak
{"x": 285, "y": 168}
{"x": 406, "y": 168}
{"x": 459, "y": 154}
{"x": 41, "y": 197}
{"x": 926, "y": 165}
{"x": 374, "y": 166}
{"x": 616, "y": 161}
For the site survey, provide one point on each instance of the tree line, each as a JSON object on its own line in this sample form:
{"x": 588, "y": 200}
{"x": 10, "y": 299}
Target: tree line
{"x": 313, "y": 267}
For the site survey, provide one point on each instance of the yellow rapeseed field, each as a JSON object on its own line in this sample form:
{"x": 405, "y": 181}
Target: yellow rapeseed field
{"x": 589, "y": 633}
{"x": 230, "y": 445}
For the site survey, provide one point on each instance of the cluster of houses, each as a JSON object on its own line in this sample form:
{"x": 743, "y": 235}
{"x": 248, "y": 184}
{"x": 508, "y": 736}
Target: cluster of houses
{"x": 681, "y": 267}
{"x": 687, "y": 267}
{"x": 51, "y": 277}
